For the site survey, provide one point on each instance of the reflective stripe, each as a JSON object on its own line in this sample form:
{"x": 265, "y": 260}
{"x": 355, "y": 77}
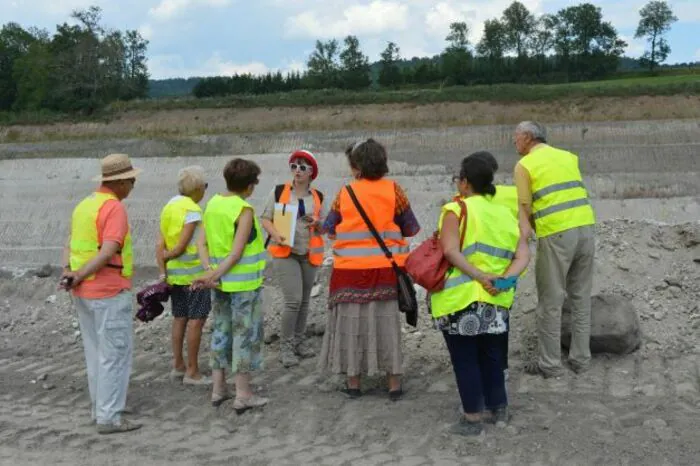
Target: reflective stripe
{"x": 188, "y": 271}
{"x": 364, "y": 252}
{"x": 187, "y": 257}
{"x": 559, "y": 207}
{"x": 556, "y": 187}
{"x": 350, "y": 235}
{"x": 490, "y": 250}
{"x": 248, "y": 260}
{"x": 242, "y": 277}
{"x": 456, "y": 281}
{"x": 316, "y": 250}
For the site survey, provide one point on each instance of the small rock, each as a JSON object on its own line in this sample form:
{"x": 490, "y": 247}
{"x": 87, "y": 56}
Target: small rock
{"x": 315, "y": 291}
{"x": 673, "y": 282}
{"x": 624, "y": 268}
{"x": 75, "y": 324}
{"x": 76, "y": 334}
{"x": 51, "y": 299}
{"x": 659, "y": 315}
{"x": 661, "y": 286}
{"x": 654, "y": 255}
{"x": 655, "y": 423}
{"x": 48, "y": 386}
{"x": 42, "y": 377}
{"x": 675, "y": 291}
{"x": 44, "y": 272}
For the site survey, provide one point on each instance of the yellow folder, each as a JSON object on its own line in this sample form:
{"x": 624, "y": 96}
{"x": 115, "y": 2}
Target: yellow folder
{"x": 285, "y": 220}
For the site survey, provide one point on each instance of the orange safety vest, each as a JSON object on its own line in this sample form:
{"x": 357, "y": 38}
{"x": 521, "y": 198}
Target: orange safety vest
{"x": 316, "y": 241}
{"x": 354, "y": 246}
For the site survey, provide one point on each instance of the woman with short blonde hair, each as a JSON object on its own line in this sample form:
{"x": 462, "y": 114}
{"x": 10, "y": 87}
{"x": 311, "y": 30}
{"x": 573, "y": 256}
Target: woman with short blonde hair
{"x": 178, "y": 260}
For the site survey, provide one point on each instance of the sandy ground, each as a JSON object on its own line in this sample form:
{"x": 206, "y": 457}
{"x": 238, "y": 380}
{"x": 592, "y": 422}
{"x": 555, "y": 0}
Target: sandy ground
{"x": 639, "y": 409}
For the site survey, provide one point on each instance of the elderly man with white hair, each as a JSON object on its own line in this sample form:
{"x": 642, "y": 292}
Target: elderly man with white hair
{"x": 554, "y": 202}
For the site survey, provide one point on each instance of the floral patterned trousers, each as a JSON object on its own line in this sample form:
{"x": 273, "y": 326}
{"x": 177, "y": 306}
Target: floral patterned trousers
{"x": 237, "y": 331}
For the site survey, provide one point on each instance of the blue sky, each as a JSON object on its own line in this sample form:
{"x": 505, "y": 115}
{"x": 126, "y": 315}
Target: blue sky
{"x": 214, "y": 37}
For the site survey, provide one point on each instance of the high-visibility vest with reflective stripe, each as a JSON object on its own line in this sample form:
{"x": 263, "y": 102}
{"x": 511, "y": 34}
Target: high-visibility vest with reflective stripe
{"x": 507, "y": 196}
{"x": 220, "y": 217}
{"x": 489, "y": 244}
{"x": 316, "y": 240}
{"x": 184, "y": 269}
{"x": 354, "y": 246}
{"x": 84, "y": 238}
{"x": 559, "y": 199}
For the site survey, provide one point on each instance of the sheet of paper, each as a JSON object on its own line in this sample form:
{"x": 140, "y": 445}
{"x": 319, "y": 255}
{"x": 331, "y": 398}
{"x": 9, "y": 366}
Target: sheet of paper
{"x": 285, "y": 220}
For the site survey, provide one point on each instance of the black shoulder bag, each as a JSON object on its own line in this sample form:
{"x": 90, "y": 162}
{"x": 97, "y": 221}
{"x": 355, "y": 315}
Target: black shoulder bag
{"x": 408, "y": 304}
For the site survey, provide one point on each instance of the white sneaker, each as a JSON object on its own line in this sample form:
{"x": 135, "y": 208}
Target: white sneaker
{"x": 203, "y": 380}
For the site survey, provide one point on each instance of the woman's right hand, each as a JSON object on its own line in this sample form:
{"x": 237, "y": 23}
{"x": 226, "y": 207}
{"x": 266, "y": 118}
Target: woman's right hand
{"x": 486, "y": 280}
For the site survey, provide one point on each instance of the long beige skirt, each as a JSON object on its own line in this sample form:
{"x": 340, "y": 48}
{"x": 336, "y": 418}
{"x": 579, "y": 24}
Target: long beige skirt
{"x": 363, "y": 339}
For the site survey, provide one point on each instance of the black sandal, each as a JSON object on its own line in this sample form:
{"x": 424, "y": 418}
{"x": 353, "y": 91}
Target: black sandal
{"x": 351, "y": 393}
{"x": 396, "y": 395}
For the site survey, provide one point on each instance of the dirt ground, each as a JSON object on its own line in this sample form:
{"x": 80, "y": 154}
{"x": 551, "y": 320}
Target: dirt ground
{"x": 640, "y": 409}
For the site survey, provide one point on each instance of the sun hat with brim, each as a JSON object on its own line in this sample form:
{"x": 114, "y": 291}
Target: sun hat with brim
{"x": 117, "y": 167}
{"x": 309, "y": 158}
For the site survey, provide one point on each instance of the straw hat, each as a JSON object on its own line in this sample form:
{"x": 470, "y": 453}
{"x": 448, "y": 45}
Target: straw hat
{"x": 117, "y": 167}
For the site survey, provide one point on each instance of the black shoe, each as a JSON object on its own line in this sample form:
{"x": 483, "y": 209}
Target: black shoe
{"x": 351, "y": 393}
{"x": 396, "y": 395}
{"x": 499, "y": 415}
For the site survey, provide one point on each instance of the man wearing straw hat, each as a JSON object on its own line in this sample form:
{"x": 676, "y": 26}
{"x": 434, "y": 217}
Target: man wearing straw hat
{"x": 97, "y": 270}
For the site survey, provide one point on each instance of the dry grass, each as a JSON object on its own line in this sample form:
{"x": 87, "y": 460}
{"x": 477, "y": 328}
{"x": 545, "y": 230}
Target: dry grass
{"x": 177, "y": 123}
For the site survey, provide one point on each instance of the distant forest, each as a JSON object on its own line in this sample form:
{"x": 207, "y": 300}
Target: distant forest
{"x": 183, "y": 87}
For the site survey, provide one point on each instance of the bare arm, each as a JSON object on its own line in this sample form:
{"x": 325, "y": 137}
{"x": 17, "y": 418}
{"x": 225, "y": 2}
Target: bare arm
{"x": 160, "y": 255}
{"x": 106, "y": 252}
{"x": 66, "y": 255}
{"x": 202, "y": 248}
{"x": 245, "y": 225}
{"x": 183, "y": 241}
{"x": 269, "y": 227}
{"x": 525, "y": 221}
{"x": 449, "y": 240}
{"x": 521, "y": 259}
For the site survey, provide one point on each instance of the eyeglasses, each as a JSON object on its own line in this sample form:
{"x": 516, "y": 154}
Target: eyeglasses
{"x": 299, "y": 166}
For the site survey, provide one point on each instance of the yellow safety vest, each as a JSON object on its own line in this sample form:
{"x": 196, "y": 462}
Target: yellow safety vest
{"x": 507, "y": 196}
{"x": 559, "y": 198}
{"x": 84, "y": 242}
{"x": 489, "y": 244}
{"x": 220, "y": 217}
{"x": 185, "y": 269}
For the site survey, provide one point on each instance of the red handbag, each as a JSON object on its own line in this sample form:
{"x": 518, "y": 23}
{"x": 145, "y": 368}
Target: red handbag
{"x": 427, "y": 265}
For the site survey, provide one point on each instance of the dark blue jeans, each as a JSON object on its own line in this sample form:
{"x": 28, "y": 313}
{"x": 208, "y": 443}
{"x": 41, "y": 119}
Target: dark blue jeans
{"x": 478, "y": 366}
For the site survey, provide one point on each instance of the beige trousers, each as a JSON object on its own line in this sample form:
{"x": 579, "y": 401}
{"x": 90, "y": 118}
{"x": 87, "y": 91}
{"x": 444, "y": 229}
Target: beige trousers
{"x": 564, "y": 268}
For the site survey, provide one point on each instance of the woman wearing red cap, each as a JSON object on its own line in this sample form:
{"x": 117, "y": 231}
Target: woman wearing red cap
{"x": 296, "y": 265}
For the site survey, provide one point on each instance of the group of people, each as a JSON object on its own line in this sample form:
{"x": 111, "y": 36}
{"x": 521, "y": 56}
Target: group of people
{"x": 214, "y": 260}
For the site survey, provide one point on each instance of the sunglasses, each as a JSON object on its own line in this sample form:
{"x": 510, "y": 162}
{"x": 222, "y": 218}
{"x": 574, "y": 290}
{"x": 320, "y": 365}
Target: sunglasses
{"x": 299, "y": 166}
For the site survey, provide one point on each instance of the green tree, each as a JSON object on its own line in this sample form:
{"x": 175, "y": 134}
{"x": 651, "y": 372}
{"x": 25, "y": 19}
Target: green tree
{"x": 519, "y": 24}
{"x": 389, "y": 73}
{"x": 655, "y": 20}
{"x": 31, "y": 73}
{"x": 492, "y": 47}
{"x": 136, "y": 69}
{"x": 456, "y": 57}
{"x": 15, "y": 43}
{"x": 323, "y": 66}
{"x": 354, "y": 65}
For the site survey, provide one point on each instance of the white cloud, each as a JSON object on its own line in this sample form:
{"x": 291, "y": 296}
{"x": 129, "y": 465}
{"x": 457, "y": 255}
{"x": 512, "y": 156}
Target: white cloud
{"x": 173, "y": 66}
{"x": 167, "y": 9}
{"x": 374, "y": 18}
{"x": 146, "y": 31}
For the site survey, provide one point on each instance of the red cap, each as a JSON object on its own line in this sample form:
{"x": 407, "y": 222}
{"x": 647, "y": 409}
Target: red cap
{"x": 309, "y": 158}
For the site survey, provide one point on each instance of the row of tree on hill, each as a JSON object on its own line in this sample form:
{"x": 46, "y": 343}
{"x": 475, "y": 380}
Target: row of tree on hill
{"x": 575, "y": 44}
{"x": 79, "y": 69}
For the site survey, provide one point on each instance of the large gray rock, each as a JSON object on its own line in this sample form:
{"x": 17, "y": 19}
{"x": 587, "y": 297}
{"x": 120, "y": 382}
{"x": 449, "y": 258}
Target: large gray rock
{"x": 614, "y": 325}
